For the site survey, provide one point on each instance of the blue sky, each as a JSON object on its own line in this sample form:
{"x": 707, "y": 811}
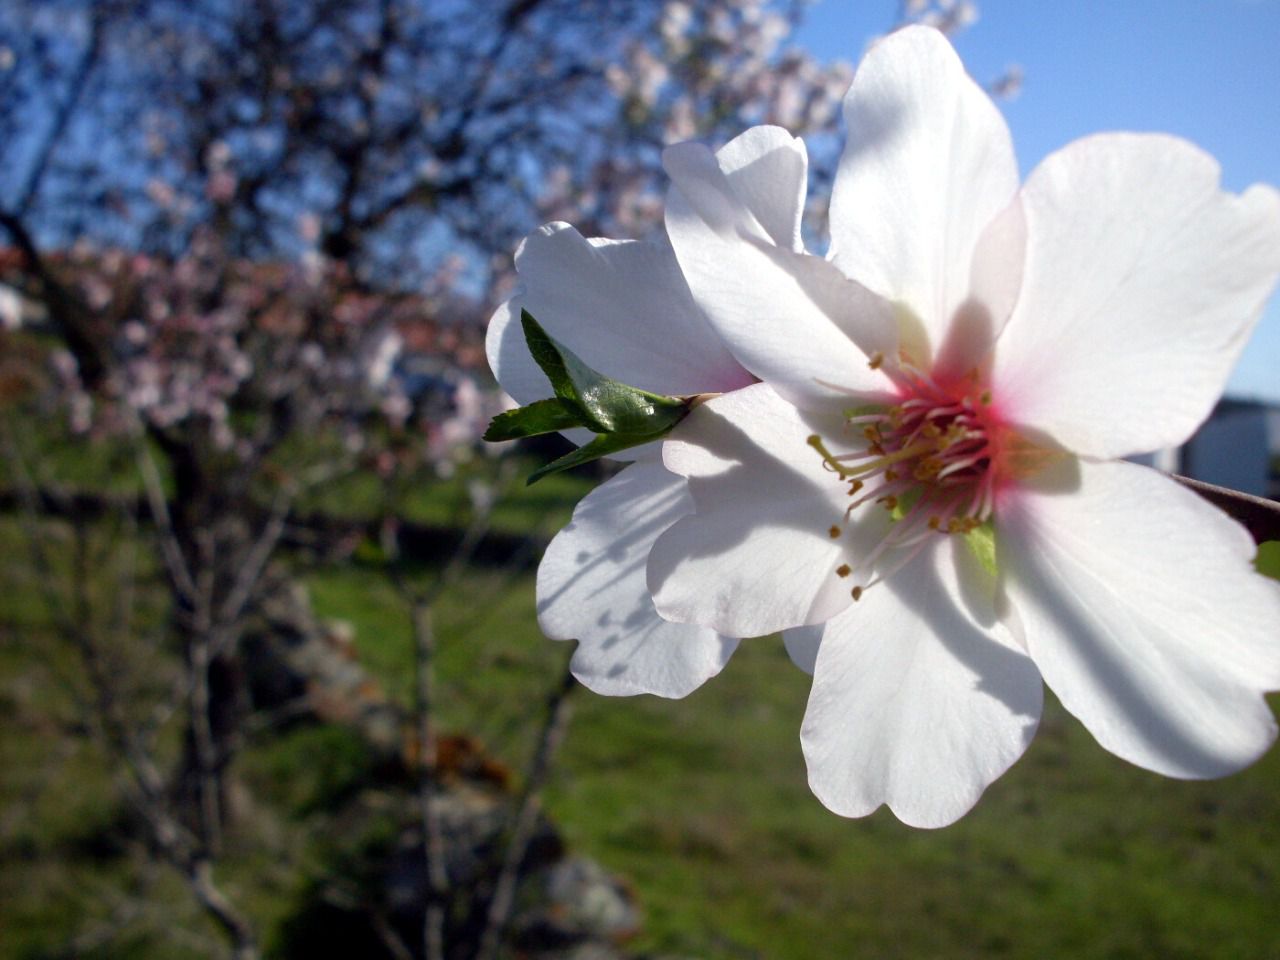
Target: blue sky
{"x": 1207, "y": 70}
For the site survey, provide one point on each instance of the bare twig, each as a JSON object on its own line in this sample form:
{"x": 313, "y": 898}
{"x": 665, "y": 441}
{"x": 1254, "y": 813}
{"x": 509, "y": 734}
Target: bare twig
{"x": 421, "y": 604}
{"x": 200, "y": 876}
{"x": 250, "y": 570}
{"x": 144, "y": 785}
{"x": 394, "y": 943}
{"x": 199, "y": 643}
{"x": 554, "y": 730}
{"x": 170, "y": 548}
{"x": 1261, "y": 517}
{"x": 432, "y": 830}
{"x": 62, "y": 116}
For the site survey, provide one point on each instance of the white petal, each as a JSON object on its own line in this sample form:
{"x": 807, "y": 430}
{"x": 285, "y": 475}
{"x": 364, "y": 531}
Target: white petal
{"x": 1142, "y": 282}
{"x": 514, "y": 368}
{"x": 995, "y": 284}
{"x": 591, "y": 587}
{"x": 1140, "y": 605}
{"x": 914, "y": 704}
{"x": 624, "y": 308}
{"x": 792, "y": 319}
{"x": 757, "y": 556}
{"x": 768, "y": 170}
{"x": 509, "y": 358}
{"x": 802, "y": 645}
{"x": 928, "y": 165}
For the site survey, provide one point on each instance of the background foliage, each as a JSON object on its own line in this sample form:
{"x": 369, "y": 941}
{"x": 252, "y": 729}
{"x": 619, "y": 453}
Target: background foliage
{"x": 269, "y": 678}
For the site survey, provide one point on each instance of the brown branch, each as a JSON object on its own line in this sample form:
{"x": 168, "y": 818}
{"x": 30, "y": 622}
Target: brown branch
{"x": 428, "y": 758}
{"x": 66, "y": 312}
{"x": 199, "y": 645}
{"x": 421, "y": 604}
{"x": 526, "y": 821}
{"x": 108, "y": 721}
{"x": 387, "y": 934}
{"x": 170, "y": 548}
{"x": 233, "y": 923}
{"x": 257, "y": 558}
{"x": 1261, "y": 517}
{"x": 62, "y": 116}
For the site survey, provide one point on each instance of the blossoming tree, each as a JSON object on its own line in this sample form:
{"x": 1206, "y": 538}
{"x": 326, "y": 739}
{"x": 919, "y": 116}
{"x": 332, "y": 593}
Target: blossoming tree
{"x": 234, "y": 219}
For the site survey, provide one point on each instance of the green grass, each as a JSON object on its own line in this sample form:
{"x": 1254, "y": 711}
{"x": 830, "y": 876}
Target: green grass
{"x": 701, "y": 804}
{"x": 446, "y": 502}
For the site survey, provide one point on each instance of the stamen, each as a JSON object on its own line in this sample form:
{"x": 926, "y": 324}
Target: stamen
{"x": 928, "y": 460}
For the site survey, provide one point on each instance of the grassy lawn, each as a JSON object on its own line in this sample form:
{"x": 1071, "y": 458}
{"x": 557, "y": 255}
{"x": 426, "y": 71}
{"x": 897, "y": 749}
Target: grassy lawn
{"x": 702, "y": 804}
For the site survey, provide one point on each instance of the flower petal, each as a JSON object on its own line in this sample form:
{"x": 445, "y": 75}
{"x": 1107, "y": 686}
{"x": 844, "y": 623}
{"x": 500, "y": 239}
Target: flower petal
{"x": 1140, "y": 606}
{"x": 757, "y": 555}
{"x": 802, "y": 645}
{"x": 768, "y": 170}
{"x": 591, "y": 586}
{"x": 914, "y": 704}
{"x": 509, "y": 357}
{"x": 514, "y": 367}
{"x": 624, "y": 308}
{"x": 1142, "y": 282}
{"x": 994, "y": 285}
{"x": 790, "y": 318}
{"x": 928, "y": 165}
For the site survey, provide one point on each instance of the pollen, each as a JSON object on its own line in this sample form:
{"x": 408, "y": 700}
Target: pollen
{"x": 933, "y": 459}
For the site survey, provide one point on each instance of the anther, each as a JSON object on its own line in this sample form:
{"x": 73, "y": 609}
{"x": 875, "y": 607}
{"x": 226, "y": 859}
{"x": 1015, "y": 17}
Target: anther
{"x": 856, "y": 592}
{"x": 876, "y": 360}
{"x": 843, "y": 570}
{"x": 834, "y": 532}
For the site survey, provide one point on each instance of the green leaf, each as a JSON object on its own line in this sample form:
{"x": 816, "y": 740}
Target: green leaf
{"x": 982, "y": 544}
{"x": 621, "y": 416}
{"x": 602, "y": 446}
{"x": 603, "y": 404}
{"x": 533, "y": 419}
{"x": 1268, "y": 561}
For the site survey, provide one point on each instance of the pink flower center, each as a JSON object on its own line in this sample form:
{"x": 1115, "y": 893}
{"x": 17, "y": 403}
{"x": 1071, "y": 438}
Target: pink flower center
{"x": 933, "y": 461}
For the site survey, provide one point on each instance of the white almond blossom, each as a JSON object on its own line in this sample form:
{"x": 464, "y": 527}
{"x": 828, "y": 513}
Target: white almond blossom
{"x": 624, "y": 308}
{"x": 926, "y": 490}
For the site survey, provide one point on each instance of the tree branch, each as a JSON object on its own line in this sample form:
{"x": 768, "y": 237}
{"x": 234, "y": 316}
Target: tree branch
{"x": 1261, "y": 517}
{"x": 554, "y": 731}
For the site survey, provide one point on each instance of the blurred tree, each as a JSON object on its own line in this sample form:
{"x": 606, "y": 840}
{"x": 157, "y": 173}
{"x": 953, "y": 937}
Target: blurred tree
{"x": 236, "y": 216}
